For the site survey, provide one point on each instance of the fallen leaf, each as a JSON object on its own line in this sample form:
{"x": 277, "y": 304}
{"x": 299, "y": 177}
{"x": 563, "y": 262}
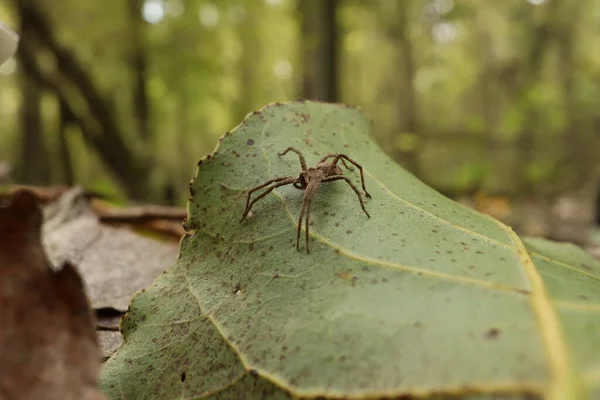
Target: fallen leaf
{"x": 48, "y": 346}
{"x": 107, "y": 329}
{"x": 114, "y": 262}
{"x": 109, "y": 342}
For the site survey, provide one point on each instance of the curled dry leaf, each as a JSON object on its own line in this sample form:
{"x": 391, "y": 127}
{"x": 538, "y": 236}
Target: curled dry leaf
{"x": 47, "y": 342}
{"x": 107, "y": 329}
{"x": 114, "y": 262}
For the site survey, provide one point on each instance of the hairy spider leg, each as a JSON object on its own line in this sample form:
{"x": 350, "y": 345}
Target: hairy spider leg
{"x": 311, "y": 190}
{"x": 357, "y": 165}
{"x": 337, "y": 178}
{"x": 333, "y": 155}
{"x": 309, "y": 201}
{"x": 302, "y": 210}
{"x": 280, "y": 182}
{"x": 267, "y": 183}
{"x": 295, "y": 150}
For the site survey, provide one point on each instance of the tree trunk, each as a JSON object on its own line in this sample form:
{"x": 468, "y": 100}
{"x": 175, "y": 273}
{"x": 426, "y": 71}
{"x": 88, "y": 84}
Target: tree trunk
{"x": 250, "y": 74}
{"x": 66, "y": 121}
{"x": 580, "y": 155}
{"x": 139, "y": 67}
{"x": 541, "y": 39}
{"x": 319, "y": 49}
{"x": 73, "y": 85}
{"x": 33, "y": 165}
{"x": 407, "y": 122}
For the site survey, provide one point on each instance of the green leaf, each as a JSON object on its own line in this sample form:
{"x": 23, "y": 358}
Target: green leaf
{"x": 425, "y": 297}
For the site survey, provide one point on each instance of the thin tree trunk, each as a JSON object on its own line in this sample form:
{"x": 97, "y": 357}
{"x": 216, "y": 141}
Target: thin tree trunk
{"x": 33, "y": 166}
{"x": 407, "y": 98}
{"x": 319, "y": 49}
{"x": 540, "y": 43}
{"x": 96, "y": 117}
{"x": 486, "y": 99}
{"x": 66, "y": 121}
{"x": 577, "y": 135}
{"x": 250, "y": 76}
{"x": 139, "y": 67}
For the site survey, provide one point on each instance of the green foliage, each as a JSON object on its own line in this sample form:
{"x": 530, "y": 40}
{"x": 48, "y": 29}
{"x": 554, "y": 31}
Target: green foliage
{"x": 504, "y": 70}
{"x": 424, "y": 297}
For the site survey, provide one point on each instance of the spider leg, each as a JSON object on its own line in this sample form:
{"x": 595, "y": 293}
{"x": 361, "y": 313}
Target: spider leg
{"x": 302, "y": 210}
{"x": 326, "y": 156}
{"x": 267, "y": 183}
{"x": 280, "y": 182}
{"x": 346, "y": 165}
{"x": 307, "y": 222}
{"x": 333, "y": 155}
{"x": 357, "y": 165}
{"x": 339, "y": 177}
{"x": 295, "y": 150}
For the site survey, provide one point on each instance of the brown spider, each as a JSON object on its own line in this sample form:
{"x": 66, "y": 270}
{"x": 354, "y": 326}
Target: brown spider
{"x": 309, "y": 180}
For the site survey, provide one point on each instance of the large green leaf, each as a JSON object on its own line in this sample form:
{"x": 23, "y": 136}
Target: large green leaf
{"x": 425, "y": 297}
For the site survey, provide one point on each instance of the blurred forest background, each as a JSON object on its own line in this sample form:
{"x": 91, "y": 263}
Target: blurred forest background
{"x": 494, "y": 103}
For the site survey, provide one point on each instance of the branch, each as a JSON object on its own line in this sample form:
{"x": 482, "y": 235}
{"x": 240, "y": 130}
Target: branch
{"x": 140, "y": 214}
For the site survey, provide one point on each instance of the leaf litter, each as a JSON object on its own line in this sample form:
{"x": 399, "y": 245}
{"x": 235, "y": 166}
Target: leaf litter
{"x": 114, "y": 262}
{"x": 48, "y": 346}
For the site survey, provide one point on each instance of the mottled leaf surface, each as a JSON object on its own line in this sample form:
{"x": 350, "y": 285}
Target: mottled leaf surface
{"x": 425, "y": 297}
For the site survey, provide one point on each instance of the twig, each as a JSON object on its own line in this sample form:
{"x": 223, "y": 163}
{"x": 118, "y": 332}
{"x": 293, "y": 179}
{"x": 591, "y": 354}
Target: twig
{"x": 139, "y": 214}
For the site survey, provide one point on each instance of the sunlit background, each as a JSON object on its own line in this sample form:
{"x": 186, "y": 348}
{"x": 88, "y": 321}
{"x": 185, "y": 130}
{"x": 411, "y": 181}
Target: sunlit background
{"x": 492, "y": 102}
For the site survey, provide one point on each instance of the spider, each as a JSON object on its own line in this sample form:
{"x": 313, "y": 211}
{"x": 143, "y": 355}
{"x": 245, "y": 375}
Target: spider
{"x": 309, "y": 180}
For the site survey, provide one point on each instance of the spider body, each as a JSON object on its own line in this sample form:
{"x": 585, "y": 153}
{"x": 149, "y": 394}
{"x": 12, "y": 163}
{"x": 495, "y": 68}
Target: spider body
{"x": 310, "y": 180}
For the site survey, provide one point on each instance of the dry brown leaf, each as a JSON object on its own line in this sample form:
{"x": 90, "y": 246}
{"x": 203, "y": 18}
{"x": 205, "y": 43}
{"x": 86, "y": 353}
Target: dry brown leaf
{"x": 114, "y": 262}
{"x": 48, "y": 346}
{"x": 107, "y": 329}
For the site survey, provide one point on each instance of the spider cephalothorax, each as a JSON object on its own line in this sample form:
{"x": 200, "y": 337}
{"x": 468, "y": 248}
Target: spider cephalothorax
{"x": 309, "y": 180}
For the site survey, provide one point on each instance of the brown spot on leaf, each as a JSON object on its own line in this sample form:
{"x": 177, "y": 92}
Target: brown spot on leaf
{"x": 492, "y": 333}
